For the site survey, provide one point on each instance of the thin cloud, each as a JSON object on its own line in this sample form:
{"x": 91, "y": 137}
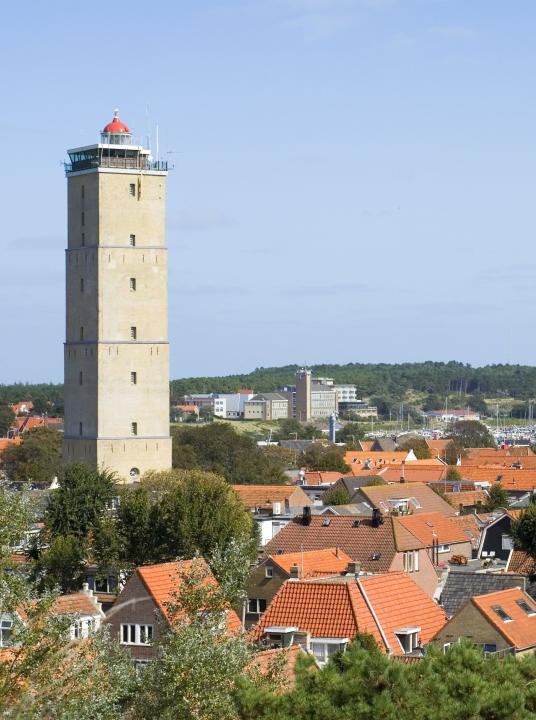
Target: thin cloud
{"x": 453, "y": 32}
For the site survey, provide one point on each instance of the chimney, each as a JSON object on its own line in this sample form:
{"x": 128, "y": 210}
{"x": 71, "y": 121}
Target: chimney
{"x": 354, "y": 568}
{"x": 294, "y": 572}
{"x": 306, "y": 518}
{"x": 377, "y": 518}
{"x": 403, "y": 476}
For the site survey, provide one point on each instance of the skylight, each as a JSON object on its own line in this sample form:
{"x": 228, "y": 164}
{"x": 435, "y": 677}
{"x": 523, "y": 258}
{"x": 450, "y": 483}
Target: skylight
{"x": 501, "y": 613}
{"x": 523, "y": 604}
{"x": 376, "y": 556}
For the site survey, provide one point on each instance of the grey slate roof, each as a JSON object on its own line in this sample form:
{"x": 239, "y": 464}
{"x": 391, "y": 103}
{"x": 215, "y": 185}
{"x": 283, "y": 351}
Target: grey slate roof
{"x": 268, "y": 396}
{"x": 462, "y": 586}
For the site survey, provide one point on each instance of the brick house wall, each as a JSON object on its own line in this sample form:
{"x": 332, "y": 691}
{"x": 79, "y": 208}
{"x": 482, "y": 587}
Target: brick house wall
{"x": 471, "y": 624}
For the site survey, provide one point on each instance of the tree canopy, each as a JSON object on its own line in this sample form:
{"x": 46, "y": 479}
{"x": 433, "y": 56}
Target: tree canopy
{"x": 470, "y": 434}
{"x": 7, "y": 417}
{"x": 324, "y": 457}
{"x": 36, "y": 459}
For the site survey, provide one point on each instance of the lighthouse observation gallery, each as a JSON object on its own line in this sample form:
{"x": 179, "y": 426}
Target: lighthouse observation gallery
{"x": 116, "y": 349}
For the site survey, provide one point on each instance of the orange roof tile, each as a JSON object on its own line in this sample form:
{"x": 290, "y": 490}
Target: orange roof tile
{"x": 467, "y": 498}
{"x": 469, "y": 525}
{"x": 5, "y": 442}
{"x": 366, "y": 445}
{"x": 78, "y": 603}
{"x": 265, "y": 495}
{"x": 422, "y": 498}
{"x": 265, "y": 659}
{"x": 324, "y": 609}
{"x": 521, "y": 630}
{"x": 522, "y": 563}
{"x": 163, "y": 582}
{"x": 428, "y": 527}
{"x": 423, "y": 472}
{"x": 375, "y": 458}
{"x": 438, "y": 446}
{"x": 314, "y": 562}
{"x": 320, "y": 477}
{"x": 417, "y": 608}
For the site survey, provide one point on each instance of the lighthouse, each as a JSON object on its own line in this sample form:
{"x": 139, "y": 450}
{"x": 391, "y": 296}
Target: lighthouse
{"x": 116, "y": 348}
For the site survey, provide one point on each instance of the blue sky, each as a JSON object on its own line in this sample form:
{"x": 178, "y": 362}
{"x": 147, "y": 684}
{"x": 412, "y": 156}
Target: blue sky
{"x": 354, "y": 179}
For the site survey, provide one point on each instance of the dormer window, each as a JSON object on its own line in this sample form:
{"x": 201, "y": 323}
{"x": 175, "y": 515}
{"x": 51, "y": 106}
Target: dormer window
{"x": 408, "y": 638}
{"x": 498, "y": 610}
{"x": 523, "y": 604}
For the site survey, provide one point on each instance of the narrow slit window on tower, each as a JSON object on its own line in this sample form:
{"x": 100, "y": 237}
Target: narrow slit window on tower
{"x": 133, "y": 378}
{"x": 83, "y": 239}
{"x": 132, "y": 240}
{"x": 80, "y": 378}
{"x": 134, "y": 428}
{"x": 133, "y": 332}
{"x": 132, "y": 189}
{"x": 83, "y": 218}
{"x": 82, "y": 191}
{"x": 81, "y": 332}
{"x": 132, "y": 284}
{"x": 80, "y": 429}
{"x": 81, "y": 284}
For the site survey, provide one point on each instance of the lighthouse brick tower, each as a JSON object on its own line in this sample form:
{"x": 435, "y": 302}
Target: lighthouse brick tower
{"x": 116, "y": 349}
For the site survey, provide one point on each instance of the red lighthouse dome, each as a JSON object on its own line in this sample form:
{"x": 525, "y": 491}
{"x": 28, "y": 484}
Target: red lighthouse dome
{"x": 116, "y": 126}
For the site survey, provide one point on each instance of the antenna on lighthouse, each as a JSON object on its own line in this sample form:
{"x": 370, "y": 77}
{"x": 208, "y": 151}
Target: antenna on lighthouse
{"x": 157, "y": 145}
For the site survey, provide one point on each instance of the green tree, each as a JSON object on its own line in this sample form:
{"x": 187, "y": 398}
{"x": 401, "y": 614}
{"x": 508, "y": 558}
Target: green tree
{"x": 351, "y": 434}
{"x": 291, "y": 429}
{"x": 37, "y": 458}
{"x": 136, "y": 520}
{"x": 497, "y": 497}
{"x": 453, "y": 473}
{"x": 220, "y": 449}
{"x": 524, "y": 531}
{"x": 7, "y": 418}
{"x": 418, "y": 445}
{"x": 61, "y": 564}
{"x": 75, "y": 508}
{"x": 336, "y": 495}
{"x": 324, "y": 457}
{"x": 453, "y": 451}
{"x": 41, "y": 406}
{"x": 471, "y": 434}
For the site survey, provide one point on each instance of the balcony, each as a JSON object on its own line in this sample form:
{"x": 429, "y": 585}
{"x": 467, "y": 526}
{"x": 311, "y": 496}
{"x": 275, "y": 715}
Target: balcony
{"x": 116, "y": 162}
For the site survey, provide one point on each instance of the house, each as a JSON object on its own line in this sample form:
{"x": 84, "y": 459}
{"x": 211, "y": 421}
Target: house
{"x": 451, "y": 415}
{"x": 500, "y": 622}
{"x": 272, "y": 506}
{"x": 284, "y": 659}
{"x": 266, "y": 579}
{"x": 376, "y": 544}
{"x": 438, "y": 446}
{"x": 443, "y": 538}
{"x": 315, "y": 483}
{"x": 495, "y": 539}
{"x": 461, "y": 586}
{"x": 82, "y": 607}
{"x": 423, "y": 471}
{"x": 403, "y": 499}
{"x": 468, "y": 500}
{"x": 266, "y": 406}
{"x": 144, "y": 602}
{"x": 24, "y": 407}
{"x": 323, "y": 616}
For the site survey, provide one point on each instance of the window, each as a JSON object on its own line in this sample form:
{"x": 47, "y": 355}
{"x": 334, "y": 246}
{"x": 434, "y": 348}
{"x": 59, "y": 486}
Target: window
{"x": 443, "y": 548}
{"x": 136, "y": 634}
{"x": 81, "y": 284}
{"x": 269, "y": 571}
{"x": 501, "y": 613}
{"x": 83, "y": 239}
{"x": 80, "y": 428}
{"x": 490, "y": 648}
{"x": 134, "y": 428}
{"x": 256, "y": 605}
{"x": 83, "y": 219}
{"x": 82, "y": 191}
{"x": 133, "y": 332}
{"x": 132, "y": 190}
{"x": 132, "y": 284}
{"x": 523, "y": 604}
{"x": 133, "y": 378}
{"x": 140, "y": 665}
{"x": 411, "y": 561}
{"x": 132, "y": 241}
{"x": 506, "y": 542}
{"x": 322, "y": 651}
{"x": 80, "y": 378}
{"x": 408, "y": 639}
{"x": 81, "y": 332}
{"x": 6, "y": 627}
{"x": 77, "y": 629}
{"x": 446, "y": 646}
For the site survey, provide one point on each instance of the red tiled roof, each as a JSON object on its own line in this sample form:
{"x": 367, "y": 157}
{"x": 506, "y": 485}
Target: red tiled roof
{"x": 163, "y": 582}
{"x": 399, "y": 602}
{"x": 469, "y": 525}
{"x": 265, "y": 495}
{"x": 265, "y": 660}
{"x": 362, "y": 542}
{"x": 5, "y": 442}
{"x": 429, "y": 501}
{"x": 314, "y": 562}
{"x": 521, "y": 630}
{"x": 428, "y": 527}
{"x": 78, "y": 603}
{"x": 372, "y": 604}
{"x": 522, "y": 563}
{"x": 324, "y": 609}
{"x": 467, "y": 498}
{"x": 319, "y": 477}
{"x": 424, "y": 472}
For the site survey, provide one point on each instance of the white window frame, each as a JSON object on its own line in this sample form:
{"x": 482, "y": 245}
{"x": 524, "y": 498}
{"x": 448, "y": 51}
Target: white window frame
{"x": 323, "y": 648}
{"x": 411, "y": 561}
{"x": 413, "y": 636}
{"x": 257, "y": 602}
{"x": 269, "y": 571}
{"x": 136, "y": 633}
{"x": 6, "y": 629}
{"x": 445, "y": 548}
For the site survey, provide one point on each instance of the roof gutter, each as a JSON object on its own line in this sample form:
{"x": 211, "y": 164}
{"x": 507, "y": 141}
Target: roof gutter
{"x": 369, "y": 605}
